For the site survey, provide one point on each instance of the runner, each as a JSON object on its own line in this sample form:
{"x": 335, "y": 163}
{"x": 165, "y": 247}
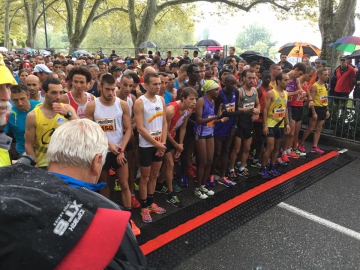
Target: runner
{"x": 249, "y": 104}
{"x": 275, "y": 114}
{"x": 319, "y": 112}
{"x": 78, "y": 97}
{"x": 150, "y": 119}
{"x": 44, "y": 119}
{"x": 33, "y": 84}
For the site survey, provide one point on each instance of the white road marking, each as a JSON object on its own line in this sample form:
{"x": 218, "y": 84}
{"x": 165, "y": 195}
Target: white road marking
{"x": 320, "y": 220}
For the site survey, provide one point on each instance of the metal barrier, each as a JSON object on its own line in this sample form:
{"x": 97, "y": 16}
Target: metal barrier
{"x": 344, "y": 120}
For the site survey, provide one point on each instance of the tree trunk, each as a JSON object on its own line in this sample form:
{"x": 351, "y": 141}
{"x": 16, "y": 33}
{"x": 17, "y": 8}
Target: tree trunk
{"x": 7, "y": 25}
{"x": 74, "y": 44}
{"x": 334, "y": 25}
{"x": 31, "y": 19}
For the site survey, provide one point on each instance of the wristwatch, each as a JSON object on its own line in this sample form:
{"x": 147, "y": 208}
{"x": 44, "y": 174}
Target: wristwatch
{"x": 68, "y": 115}
{"x": 121, "y": 150}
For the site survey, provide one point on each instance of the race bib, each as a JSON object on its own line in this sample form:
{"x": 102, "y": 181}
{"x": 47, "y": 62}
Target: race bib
{"x": 249, "y": 105}
{"x": 300, "y": 97}
{"x": 279, "y": 113}
{"x": 323, "y": 100}
{"x": 156, "y": 135}
{"x": 230, "y": 107}
{"x": 210, "y": 124}
{"x": 290, "y": 98}
{"x": 107, "y": 124}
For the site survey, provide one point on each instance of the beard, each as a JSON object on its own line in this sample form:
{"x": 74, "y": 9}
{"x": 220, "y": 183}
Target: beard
{"x": 5, "y": 107}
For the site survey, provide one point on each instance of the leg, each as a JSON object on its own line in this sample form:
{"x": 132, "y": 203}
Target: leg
{"x": 225, "y": 155}
{"x": 309, "y": 129}
{"x": 274, "y": 153}
{"x": 246, "y": 150}
{"x": 296, "y": 134}
{"x": 269, "y": 149}
{"x": 201, "y": 160}
{"x": 217, "y": 153}
{"x": 104, "y": 177}
{"x": 122, "y": 174}
{"x": 234, "y": 152}
{"x": 131, "y": 163}
{"x": 209, "y": 159}
{"x": 319, "y": 125}
{"x": 168, "y": 167}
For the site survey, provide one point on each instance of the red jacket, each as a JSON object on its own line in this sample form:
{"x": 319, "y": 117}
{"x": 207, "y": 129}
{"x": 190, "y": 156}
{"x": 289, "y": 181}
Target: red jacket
{"x": 344, "y": 82}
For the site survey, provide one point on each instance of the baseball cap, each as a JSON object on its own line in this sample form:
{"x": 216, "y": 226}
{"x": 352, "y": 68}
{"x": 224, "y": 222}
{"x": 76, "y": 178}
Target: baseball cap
{"x": 207, "y": 67}
{"x": 161, "y": 63}
{"x": 46, "y": 224}
{"x": 42, "y": 68}
{"x": 114, "y": 68}
{"x": 227, "y": 68}
{"x": 342, "y": 58}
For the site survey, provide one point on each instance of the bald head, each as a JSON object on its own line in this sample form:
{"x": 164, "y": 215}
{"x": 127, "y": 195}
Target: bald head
{"x": 230, "y": 79}
{"x": 149, "y": 70}
{"x": 33, "y": 83}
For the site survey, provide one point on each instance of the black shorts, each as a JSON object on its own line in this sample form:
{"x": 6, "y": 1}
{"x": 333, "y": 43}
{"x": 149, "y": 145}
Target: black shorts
{"x": 276, "y": 132}
{"x": 297, "y": 113}
{"x": 243, "y": 133}
{"x": 147, "y": 156}
{"x": 320, "y": 111}
{"x": 169, "y": 146}
{"x": 198, "y": 137}
{"x": 111, "y": 162}
{"x": 129, "y": 146}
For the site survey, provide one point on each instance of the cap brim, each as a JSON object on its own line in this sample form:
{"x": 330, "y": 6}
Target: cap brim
{"x": 100, "y": 242}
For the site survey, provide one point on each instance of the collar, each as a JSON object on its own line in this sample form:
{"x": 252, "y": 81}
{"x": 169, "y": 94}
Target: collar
{"x": 74, "y": 183}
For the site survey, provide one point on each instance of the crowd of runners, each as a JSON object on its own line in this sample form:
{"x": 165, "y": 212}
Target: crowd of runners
{"x": 212, "y": 118}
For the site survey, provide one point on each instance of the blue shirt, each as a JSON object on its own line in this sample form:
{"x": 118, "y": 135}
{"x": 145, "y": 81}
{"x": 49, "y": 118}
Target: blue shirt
{"x": 16, "y": 124}
{"x": 168, "y": 97}
{"x": 74, "y": 183}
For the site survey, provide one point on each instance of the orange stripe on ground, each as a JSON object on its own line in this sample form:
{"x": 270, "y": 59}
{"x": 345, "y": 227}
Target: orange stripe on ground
{"x": 188, "y": 226}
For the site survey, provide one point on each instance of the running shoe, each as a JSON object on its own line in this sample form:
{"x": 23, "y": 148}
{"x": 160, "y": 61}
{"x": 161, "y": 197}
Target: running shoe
{"x": 176, "y": 187}
{"x": 135, "y": 229}
{"x": 264, "y": 174}
{"x": 156, "y": 209}
{"x": 285, "y": 158}
{"x": 225, "y": 181}
{"x": 232, "y": 175}
{"x": 256, "y": 165}
{"x": 145, "y": 214}
{"x": 317, "y": 150}
{"x": 298, "y": 152}
{"x": 117, "y": 186}
{"x": 201, "y": 195}
{"x": 136, "y": 186}
{"x": 163, "y": 190}
{"x": 293, "y": 155}
{"x": 193, "y": 167}
{"x": 280, "y": 162}
{"x": 243, "y": 173}
{"x": 301, "y": 147}
{"x": 134, "y": 202}
{"x": 211, "y": 181}
{"x": 273, "y": 171}
{"x": 173, "y": 199}
{"x": 111, "y": 172}
{"x": 184, "y": 181}
{"x": 252, "y": 154}
{"x": 190, "y": 173}
{"x": 206, "y": 191}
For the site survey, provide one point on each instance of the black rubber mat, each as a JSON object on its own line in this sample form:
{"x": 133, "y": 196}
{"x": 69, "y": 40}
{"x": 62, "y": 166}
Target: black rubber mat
{"x": 175, "y": 252}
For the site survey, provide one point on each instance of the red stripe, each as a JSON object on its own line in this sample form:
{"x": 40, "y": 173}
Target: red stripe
{"x": 188, "y": 226}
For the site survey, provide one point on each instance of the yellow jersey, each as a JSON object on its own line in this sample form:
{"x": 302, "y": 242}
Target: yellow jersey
{"x": 277, "y": 109}
{"x": 45, "y": 128}
{"x": 321, "y": 96}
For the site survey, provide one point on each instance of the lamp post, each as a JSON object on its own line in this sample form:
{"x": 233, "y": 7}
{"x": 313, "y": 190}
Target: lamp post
{"x": 46, "y": 39}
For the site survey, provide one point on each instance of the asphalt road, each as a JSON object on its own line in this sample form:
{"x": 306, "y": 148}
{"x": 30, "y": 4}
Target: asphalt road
{"x": 281, "y": 239}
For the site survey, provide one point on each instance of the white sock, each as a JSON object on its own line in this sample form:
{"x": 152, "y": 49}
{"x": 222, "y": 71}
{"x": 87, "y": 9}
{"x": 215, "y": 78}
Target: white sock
{"x": 231, "y": 170}
{"x": 241, "y": 169}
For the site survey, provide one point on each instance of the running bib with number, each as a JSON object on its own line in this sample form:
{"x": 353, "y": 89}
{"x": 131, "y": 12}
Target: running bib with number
{"x": 107, "y": 124}
{"x": 230, "y": 107}
{"x": 323, "y": 99}
{"x": 156, "y": 135}
{"x": 279, "y": 113}
{"x": 211, "y": 123}
{"x": 249, "y": 105}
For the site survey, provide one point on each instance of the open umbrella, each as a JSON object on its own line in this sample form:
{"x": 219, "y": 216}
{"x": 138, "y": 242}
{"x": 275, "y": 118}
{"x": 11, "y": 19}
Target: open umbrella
{"x": 214, "y": 48}
{"x": 189, "y": 47}
{"x": 82, "y": 52}
{"x": 207, "y": 42}
{"x": 354, "y": 55}
{"x": 267, "y": 62}
{"x": 298, "y": 49}
{"x": 3, "y": 49}
{"x": 347, "y": 44}
{"x": 249, "y": 53}
{"x": 147, "y": 44}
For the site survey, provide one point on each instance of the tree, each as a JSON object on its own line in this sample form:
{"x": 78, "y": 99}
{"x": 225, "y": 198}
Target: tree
{"x": 251, "y": 35}
{"x": 336, "y": 19}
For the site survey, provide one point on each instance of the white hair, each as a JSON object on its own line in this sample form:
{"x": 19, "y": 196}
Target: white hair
{"x": 76, "y": 143}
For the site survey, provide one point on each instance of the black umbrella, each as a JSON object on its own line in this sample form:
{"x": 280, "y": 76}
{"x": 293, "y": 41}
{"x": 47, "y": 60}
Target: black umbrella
{"x": 147, "y": 44}
{"x": 207, "y": 42}
{"x": 249, "y": 53}
{"x": 189, "y": 47}
{"x": 267, "y": 62}
{"x": 354, "y": 55}
{"x": 298, "y": 49}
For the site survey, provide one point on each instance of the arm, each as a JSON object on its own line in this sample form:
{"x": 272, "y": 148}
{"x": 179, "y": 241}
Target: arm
{"x": 165, "y": 123}
{"x": 257, "y": 109}
{"x": 313, "y": 91}
{"x": 89, "y": 111}
{"x": 126, "y": 121}
{"x": 199, "y": 111}
{"x": 71, "y": 109}
{"x": 30, "y": 132}
{"x": 64, "y": 99}
{"x": 287, "y": 124}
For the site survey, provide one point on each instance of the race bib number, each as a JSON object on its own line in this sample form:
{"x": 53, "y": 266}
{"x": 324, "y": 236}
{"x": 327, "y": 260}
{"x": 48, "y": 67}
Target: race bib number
{"x": 156, "y": 135}
{"x": 249, "y": 105}
{"x": 279, "y": 113}
{"x": 210, "y": 124}
{"x": 323, "y": 100}
{"x": 107, "y": 124}
{"x": 230, "y": 107}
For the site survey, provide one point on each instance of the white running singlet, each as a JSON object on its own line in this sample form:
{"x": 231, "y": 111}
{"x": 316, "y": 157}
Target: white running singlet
{"x": 130, "y": 104}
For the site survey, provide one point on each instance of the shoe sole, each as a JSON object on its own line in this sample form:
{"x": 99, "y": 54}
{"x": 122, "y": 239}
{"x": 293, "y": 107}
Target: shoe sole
{"x": 200, "y": 197}
{"x": 177, "y": 206}
{"x": 221, "y": 183}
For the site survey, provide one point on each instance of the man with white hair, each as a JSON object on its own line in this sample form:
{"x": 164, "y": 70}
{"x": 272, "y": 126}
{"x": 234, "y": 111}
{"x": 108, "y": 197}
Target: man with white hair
{"x": 6, "y": 79}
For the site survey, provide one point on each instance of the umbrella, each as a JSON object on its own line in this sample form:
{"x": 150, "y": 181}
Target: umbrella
{"x": 189, "y": 47}
{"x": 267, "y": 62}
{"x": 354, "y": 55}
{"x": 3, "y": 49}
{"x": 82, "y": 52}
{"x": 298, "y": 49}
{"x": 214, "y": 48}
{"x": 147, "y": 44}
{"x": 347, "y": 44}
{"x": 249, "y": 53}
{"x": 207, "y": 42}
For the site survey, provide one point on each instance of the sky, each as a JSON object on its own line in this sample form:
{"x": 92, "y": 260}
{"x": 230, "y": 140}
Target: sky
{"x": 226, "y": 29}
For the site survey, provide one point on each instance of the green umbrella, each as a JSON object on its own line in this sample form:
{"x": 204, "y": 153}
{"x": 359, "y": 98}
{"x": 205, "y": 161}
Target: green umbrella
{"x": 347, "y": 44}
{"x": 347, "y": 47}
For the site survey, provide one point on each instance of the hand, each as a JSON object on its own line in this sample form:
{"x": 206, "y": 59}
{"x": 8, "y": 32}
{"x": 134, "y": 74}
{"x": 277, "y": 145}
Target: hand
{"x": 220, "y": 111}
{"x": 311, "y": 103}
{"x": 250, "y": 111}
{"x": 256, "y": 111}
{"x": 179, "y": 148}
{"x": 255, "y": 117}
{"x": 121, "y": 160}
{"x": 314, "y": 116}
{"x": 298, "y": 91}
{"x": 327, "y": 115}
{"x": 265, "y": 131}
{"x": 114, "y": 148}
{"x": 287, "y": 129}
{"x": 161, "y": 148}
{"x": 303, "y": 94}
{"x": 177, "y": 154}
{"x": 224, "y": 119}
{"x": 59, "y": 109}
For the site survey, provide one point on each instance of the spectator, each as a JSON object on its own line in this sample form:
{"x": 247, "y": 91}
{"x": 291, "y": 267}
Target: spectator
{"x": 284, "y": 63}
